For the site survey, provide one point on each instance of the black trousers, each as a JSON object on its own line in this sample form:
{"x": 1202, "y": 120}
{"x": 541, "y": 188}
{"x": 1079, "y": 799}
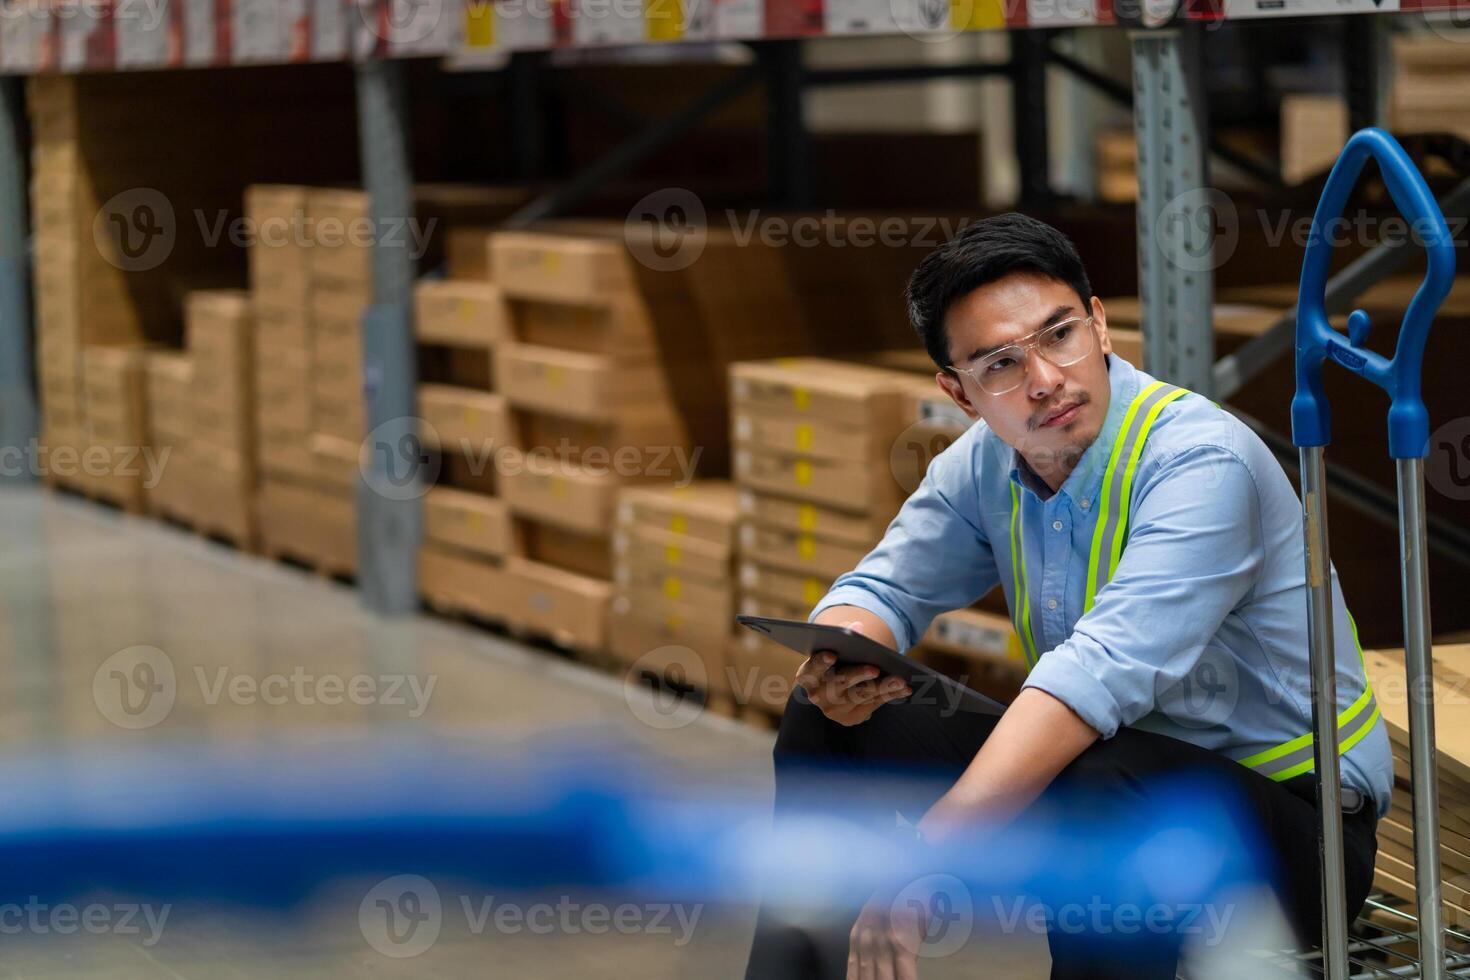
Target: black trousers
{"x": 1124, "y": 774}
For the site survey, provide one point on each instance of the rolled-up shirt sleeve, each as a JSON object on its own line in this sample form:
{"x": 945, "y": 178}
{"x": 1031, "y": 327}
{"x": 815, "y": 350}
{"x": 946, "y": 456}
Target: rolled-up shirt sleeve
{"x": 1194, "y": 551}
{"x": 934, "y": 557}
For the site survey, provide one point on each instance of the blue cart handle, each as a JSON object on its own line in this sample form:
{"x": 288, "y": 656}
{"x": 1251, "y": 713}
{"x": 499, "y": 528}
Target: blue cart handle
{"x": 1316, "y": 340}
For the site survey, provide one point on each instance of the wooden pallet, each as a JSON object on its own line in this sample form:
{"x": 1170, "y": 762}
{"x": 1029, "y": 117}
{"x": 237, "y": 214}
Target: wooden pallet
{"x": 95, "y": 493}
{"x": 246, "y": 540}
{"x": 320, "y": 566}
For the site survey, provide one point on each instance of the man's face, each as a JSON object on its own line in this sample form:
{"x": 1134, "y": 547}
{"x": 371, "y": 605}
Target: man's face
{"x": 1056, "y": 412}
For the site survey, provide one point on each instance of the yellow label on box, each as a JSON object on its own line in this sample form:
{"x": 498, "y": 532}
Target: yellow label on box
{"x": 477, "y": 521}
{"x": 470, "y": 416}
{"x": 550, "y": 261}
{"x": 806, "y": 547}
{"x": 803, "y": 470}
{"x": 558, "y": 487}
{"x": 673, "y": 621}
{"x": 555, "y": 376}
{"x": 465, "y": 309}
{"x": 672, "y": 586}
{"x": 801, "y": 398}
{"x": 806, "y": 517}
{"x": 479, "y": 24}
{"x": 672, "y": 554}
{"x": 678, "y": 523}
{"x": 1013, "y": 648}
{"x": 813, "y": 590}
{"x": 803, "y": 436}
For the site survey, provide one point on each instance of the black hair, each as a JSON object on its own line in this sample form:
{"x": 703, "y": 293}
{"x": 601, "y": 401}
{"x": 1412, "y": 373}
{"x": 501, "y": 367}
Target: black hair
{"x": 983, "y": 252}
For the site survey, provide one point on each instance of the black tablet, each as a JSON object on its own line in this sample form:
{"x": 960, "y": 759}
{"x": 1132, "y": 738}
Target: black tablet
{"x": 852, "y": 649}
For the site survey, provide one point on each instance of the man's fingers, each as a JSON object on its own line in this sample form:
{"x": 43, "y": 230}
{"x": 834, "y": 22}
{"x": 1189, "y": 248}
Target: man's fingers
{"x": 886, "y": 956}
{"x": 809, "y": 675}
{"x": 906, "y": 965}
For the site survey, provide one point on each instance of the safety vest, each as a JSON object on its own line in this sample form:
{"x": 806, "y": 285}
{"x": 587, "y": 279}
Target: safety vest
{"x": 1280, "y": 762}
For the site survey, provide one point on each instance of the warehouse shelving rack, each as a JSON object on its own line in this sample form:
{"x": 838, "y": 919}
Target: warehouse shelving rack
{"x": 1166, "y": 97}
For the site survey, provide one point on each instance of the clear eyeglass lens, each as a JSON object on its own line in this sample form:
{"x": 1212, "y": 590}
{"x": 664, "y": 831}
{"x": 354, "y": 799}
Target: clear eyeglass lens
{"x": 1063, "y": 344}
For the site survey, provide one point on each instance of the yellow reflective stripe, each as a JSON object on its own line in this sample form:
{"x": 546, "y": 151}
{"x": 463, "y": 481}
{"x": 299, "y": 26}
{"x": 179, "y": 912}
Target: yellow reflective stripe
{"x": 1270, "y": 755}
{"x": 1127, "y": 494}
{"x": 1018, "y": 581}
{"x": 1103, "y": 503}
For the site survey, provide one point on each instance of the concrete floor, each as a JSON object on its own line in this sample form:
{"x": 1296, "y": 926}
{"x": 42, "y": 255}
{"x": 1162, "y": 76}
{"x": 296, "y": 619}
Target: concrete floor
{"x": 84, "y": 588}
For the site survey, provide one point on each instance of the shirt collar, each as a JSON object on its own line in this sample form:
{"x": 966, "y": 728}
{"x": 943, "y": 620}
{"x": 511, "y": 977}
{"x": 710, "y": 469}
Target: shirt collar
{"x": 1085, "y": 481}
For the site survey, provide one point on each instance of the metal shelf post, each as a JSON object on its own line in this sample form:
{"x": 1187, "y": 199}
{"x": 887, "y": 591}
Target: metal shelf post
{"x": 392, "y": 461}
{"x": 1177, "y": 210}
{"x": 17, "y": 392}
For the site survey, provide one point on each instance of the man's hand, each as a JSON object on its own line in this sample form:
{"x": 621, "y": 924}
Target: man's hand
{"x": 884, "y": 942}
{"x": 847, "y": 695}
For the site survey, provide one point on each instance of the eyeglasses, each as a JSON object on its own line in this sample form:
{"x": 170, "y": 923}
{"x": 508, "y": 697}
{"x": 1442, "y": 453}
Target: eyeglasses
{"x": 1062, "y": 344}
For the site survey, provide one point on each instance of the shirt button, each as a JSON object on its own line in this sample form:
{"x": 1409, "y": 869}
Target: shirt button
{"x": 1086, "y": 503}
{"x": 1051, "y": 603}
{"x": 1056, "y": 525}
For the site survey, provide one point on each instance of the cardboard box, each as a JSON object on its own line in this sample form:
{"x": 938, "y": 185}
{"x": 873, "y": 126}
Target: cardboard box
{"x": 340, "y": 304}
{"x": 762, "y": 673}
{"x": 279, "y": 271}
{"x": 334, "y": 416}
{"x": 281, "y": 329}
{"x": 558, "y": 492}
{"x": 854, "y": 485}
{"x": 455, "y": 581}
{"x": 791, "y": 433}
{"x": 465, "y": 419}
{"x": 309, "y": 524}
{"x": 460, "y": 313}
{"x": 470, "y": 521}
{"x": 467, "y": 253}
{"x": 597, "y": 387}
{"x": 560, "y": 268}
{"x": 623, "y": 326}
{"x": 799, "y": 552}
{"x": 168, "y": 397}
{"x": 334, "y": 462}
{"x": 285, "y": 454}
{"x": 1313, "y": 131}
{"x": 683, "y": 653}
{"x": 653, "y": 446}
{"x": 807, "y": 589}
{"x": 283, "y": 390}
{"x": 975, "y": 635}
{"x": 660, "y": 594}
{"x": 860, "y": 530}
{"x": 644, "y": 546}
{"x": 342, "y": 233}
{"x": 704, "y": 509}
{"x": 223, "y": 499}
{"x": 570, "y": 608}
{"x": 576, "y": 551}
{"x": 814, "y": 388}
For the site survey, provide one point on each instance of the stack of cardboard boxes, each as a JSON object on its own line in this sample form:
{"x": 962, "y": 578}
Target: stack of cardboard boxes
{"x": 169, "y": 397}
{"x": 111, "y": 465}
{"x": 461, "y": 321}
{"x": 588, "y": 409}
{"x": 812, "y": 443}
{"x": 1313, "y": 131}
{"x": 302, "y": 515}
{"x": 674, "y": 605}
{"x": 220, "y": 464}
